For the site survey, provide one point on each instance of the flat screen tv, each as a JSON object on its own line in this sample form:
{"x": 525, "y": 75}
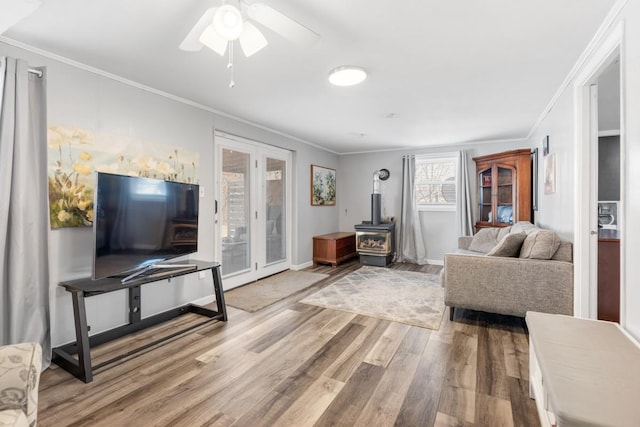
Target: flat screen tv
{"x": 140, "y": 222}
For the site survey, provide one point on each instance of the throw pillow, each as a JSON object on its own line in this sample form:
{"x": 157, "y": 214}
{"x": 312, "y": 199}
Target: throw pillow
{"x": 484, "y": 240}
{"x": 541, "y": 244}
{"x": 509, "y": 246}
{"x": 503, "y": 231}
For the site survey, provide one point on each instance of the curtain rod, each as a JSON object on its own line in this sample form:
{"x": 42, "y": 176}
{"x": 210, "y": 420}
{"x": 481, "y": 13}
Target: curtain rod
{"x": 36, "y": 72}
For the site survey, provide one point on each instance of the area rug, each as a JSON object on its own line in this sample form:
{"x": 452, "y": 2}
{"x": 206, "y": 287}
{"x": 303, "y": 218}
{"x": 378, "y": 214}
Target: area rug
{"x": 258, "y": 295}
{"x": 400, "y": 296}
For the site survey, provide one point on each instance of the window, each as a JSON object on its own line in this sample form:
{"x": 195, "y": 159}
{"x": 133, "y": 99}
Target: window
{"x": 435, "y": 183}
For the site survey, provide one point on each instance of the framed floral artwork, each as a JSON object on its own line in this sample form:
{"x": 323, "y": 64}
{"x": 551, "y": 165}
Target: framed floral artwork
{"x": 323, "y": 186}
{"x": 76, "y": 154}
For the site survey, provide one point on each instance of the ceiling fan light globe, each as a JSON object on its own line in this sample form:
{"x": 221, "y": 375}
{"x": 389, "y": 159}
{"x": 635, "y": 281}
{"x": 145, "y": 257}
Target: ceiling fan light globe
{"x": 227, "y": 21}
{"x": 347, "y": 75}
{"x": 214, "y": 41}
{"x": 251, "y": 39}
{"x": 230, "y": 19}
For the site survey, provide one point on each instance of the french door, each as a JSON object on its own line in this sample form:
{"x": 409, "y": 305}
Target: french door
{"x": 253, "y": 209}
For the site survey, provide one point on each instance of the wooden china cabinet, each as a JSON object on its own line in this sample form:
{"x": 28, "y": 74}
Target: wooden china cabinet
{"x": 504, "y": 188}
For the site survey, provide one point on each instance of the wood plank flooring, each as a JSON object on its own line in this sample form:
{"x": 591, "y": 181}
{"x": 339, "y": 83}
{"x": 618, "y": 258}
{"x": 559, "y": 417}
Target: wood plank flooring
{"x": 293, "y": 364}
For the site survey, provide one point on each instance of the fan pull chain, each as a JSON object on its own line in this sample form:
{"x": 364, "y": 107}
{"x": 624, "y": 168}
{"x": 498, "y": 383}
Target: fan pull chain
{"x": 230, "y": 65}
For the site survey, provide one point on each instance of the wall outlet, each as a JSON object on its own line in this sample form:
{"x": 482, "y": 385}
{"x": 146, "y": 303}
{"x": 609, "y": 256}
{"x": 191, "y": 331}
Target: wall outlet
{"x": 201, "y": 191}
{"x": 202, "y": 275}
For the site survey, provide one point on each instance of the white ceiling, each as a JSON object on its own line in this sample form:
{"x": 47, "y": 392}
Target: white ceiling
{"x": 453, "y": 71}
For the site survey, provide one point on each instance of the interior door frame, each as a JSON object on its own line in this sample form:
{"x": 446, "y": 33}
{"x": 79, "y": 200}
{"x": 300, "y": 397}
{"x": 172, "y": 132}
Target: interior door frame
{"x": 258, "y": 268}
{"x": 585, "y": 151}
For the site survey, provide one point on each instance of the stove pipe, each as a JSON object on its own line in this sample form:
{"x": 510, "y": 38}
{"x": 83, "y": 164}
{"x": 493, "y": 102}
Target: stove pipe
{"x": 376, "y": 197}
{"x": 376, "y": 202}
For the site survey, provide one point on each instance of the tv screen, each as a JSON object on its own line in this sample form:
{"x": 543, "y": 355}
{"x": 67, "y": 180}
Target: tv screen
{"x": 139, "y": 222}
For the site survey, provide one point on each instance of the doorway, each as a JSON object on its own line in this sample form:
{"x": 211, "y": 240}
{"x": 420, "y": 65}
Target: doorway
{"x": 253, "y": 209}
{"x": 608, "y": 193}
{"x": 599, "y": 250}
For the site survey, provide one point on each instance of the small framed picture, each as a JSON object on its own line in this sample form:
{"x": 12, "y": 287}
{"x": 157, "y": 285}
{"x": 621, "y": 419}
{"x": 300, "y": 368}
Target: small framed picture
{"x": 550, "y": 174}
{"x": 545, "y": 145}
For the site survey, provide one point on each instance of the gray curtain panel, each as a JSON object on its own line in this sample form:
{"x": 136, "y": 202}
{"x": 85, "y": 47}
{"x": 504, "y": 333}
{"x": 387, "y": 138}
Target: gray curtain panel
{"x": 412, "y": 247}
{"x": 24, "y": 216}
{"x": 464, "y": 205}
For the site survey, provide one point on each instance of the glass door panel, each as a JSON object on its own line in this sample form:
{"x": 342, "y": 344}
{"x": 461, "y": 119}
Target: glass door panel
{"x": 275, "y": 203}
{"x": 505, "y": 199}
{"x": 253, "y": 197}
{"x": 485, "y": 195}
{"x": 235, "y": 229}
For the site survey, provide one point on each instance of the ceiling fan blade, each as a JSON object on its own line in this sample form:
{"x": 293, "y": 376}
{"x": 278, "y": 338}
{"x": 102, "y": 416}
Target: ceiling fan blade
{"x": 214, "y": 41}
{"x": 251, "y": 39}
{"x": 281, "y": 24}
{"x": 192, "y": 42}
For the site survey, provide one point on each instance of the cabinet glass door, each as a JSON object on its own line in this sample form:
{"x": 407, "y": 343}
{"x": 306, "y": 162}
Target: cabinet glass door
{"x": 485, "y": 180}
{"x": 505, "y": 196}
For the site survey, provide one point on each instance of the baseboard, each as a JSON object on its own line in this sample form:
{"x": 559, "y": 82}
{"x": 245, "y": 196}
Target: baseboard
{"x": 301, "y": 266}
{"x": 435, "y": 261}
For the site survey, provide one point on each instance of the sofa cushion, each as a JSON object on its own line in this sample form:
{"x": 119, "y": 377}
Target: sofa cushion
{"x": 484, "y": 240}
{"x": 509, "y": 246}
{"x": 564, "y": 252}
{"x": 541, "y": 244}
{"x": 467, "y": 252}
{"x": 525, "y": 226}
{"x": 503, "y": 231}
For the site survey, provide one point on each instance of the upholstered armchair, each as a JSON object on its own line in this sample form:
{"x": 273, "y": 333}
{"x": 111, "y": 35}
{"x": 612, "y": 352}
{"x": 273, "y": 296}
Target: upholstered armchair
{"x": 20, "y": 366}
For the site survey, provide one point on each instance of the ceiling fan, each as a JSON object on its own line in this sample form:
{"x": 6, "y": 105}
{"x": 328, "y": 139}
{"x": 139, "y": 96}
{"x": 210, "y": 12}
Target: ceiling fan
{"x": 219, "y": 26}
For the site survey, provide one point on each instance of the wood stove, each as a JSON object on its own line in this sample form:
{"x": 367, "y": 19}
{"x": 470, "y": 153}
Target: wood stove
{"x": 375, "y": 239}
{"x": 375, "y": 243}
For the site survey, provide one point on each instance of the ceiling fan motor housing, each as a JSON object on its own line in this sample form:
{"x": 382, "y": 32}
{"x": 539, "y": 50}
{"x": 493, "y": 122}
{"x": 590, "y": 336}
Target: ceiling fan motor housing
{"x": 228, "y": 21}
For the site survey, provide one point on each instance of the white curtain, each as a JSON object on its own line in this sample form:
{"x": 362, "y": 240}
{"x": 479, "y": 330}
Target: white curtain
{"x": 464, "y": 205}
{"x": 24, "y": 216}
{"x": 412, "y": 247}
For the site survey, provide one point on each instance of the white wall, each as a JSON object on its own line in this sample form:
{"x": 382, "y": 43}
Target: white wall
{"x": 609, "y": 99}
{"x": 557, "y": 210}
{"x": 355, "y": 184}
{"x": 631, "y": 158}
{"x": 79, "y": 98}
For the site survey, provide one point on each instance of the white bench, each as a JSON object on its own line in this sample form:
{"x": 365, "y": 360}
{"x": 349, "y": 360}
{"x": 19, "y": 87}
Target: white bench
{"x": 583, "y": 372}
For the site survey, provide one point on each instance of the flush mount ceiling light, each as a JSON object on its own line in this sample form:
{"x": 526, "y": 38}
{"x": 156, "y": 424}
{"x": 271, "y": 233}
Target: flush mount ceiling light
{"x": 347, "y": 75}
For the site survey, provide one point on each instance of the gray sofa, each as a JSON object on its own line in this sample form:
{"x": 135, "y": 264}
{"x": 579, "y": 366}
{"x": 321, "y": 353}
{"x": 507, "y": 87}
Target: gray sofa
{"x": 512, "y": 284}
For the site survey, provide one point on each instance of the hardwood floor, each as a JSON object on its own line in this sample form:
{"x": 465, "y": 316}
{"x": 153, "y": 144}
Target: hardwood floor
{"x": 293, "y": 364}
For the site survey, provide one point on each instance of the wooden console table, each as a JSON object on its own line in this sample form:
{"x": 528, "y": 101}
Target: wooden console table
{"x": 84, "y": 288}
{"x": 334, "y": 248}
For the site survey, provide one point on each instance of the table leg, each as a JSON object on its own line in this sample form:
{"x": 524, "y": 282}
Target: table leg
{"x": 82, "y": 336}
{"x": 135, "y": 309}
{"x": 217, "y": 286}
